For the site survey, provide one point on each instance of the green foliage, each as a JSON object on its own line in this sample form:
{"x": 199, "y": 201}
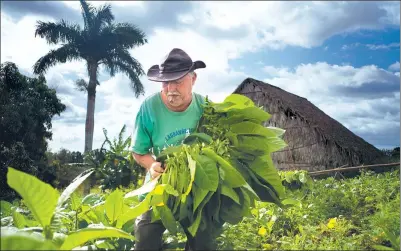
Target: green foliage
{"x": 361, "y": 213}
{"x": 295, "y": 179}
{"x": 55, "y": 224}
{"x": 113, "y": 163}
{"x": 42, "y": 207}
{"x": 64, "y": 156}
{"x": 27, "y": 106}
{"x": 367, "y": 218}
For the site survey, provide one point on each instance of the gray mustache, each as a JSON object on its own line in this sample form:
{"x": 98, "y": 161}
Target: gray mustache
{"x": 173, "y": 94}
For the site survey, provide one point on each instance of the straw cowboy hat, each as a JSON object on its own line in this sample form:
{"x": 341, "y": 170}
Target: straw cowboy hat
{"x": 175, "y": 65}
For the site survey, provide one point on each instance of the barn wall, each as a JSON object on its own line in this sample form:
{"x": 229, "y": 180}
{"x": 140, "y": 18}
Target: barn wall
{"x": 307, "y": 148}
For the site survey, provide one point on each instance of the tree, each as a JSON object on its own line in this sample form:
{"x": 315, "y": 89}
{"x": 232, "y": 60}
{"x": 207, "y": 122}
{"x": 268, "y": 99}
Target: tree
{"x": 27, "y": 106}
{"x": 65, "y": 156}
{"x": 100, "y": 42}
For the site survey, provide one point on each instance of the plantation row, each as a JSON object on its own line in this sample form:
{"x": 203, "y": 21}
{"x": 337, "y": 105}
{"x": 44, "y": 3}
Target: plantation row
{"x": 358, "y": 213}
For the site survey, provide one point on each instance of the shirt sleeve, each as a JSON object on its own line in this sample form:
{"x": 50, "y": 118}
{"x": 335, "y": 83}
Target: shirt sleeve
{"x": 141, "y": 141}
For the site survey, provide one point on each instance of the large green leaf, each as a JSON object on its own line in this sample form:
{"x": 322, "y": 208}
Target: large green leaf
{"x": 75, "y": 201}
{"x": 250, "y": 191}
{"x": 198, "y": 194}
{"x": 19, "y": 219}
{"x": 251, "y": 114}
{"x": 114, "y": 205}
{"x": 134, "y": 212}
{"x": 206, "y": 174}
{"x": 184, "y": 208}
{"x": 230, "y": 192}
{"x": 263, "y": 191}
{"x": 245, "y": 202}
{"x": 72, "y": 187}
{"x": 228, "y": 173}
{"x": 24, "y": 241}
{"x": 276, "y": 130}
{"x": 93, "y": 232}
{"x": 249, "y": 128}
{"x": 253, "y": 143}
{"x": 220, "y": 107}
{"x": 39, "y": 197}
{"x": 230, "y": 211}
{"x": 167, "y": 218}
{"x": 239, "y": 100}
{"x": 192, "y": 169}
{"x": 198, "y": 215}
{"x": 264, "y": 167}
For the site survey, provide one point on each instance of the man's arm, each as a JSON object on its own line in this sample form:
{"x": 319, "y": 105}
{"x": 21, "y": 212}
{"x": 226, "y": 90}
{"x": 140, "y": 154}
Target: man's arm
{"x": 149, "y": 163}
{"x": 145, "y": 160}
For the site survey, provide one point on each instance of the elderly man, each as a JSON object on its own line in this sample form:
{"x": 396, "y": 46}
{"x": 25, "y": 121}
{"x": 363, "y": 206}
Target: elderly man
{"x": 164, "y": 119}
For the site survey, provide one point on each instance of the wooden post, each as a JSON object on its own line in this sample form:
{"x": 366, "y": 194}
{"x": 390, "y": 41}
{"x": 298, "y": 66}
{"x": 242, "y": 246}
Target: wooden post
{"x": 317, "y": 173}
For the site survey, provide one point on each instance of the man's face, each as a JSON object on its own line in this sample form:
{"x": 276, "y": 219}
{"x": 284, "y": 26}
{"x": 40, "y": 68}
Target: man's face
{"x": 179, "y": 92}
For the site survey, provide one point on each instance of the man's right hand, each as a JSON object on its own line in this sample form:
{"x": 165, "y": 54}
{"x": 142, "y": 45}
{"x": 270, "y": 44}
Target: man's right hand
{"x": 156, "y": 170}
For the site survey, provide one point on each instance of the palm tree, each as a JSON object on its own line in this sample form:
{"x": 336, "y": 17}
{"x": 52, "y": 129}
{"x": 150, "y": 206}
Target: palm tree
{"x": 100, "y": 42}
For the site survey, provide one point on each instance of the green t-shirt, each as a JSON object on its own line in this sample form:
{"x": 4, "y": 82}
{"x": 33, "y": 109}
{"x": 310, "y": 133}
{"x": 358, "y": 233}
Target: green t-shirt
{"x": 157, "y": 127}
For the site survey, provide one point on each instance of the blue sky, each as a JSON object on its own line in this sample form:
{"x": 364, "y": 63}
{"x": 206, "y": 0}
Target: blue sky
{"x": 350, "y": 49}
{"x": 342, "y": 56}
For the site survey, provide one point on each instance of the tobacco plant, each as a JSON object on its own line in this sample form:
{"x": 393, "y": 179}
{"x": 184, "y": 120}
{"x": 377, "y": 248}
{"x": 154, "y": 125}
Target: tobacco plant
{"x": 48, "y": 223}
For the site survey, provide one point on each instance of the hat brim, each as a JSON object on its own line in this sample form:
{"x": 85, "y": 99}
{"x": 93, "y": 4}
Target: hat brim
{"x": 155, "y": 75}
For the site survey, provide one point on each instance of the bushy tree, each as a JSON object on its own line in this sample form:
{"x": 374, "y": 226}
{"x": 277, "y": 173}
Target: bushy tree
{"x": 64, "y": 156}
{"x": 27, "y": 106}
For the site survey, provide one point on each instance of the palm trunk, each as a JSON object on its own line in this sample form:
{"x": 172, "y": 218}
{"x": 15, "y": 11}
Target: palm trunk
{"x": 90, "y": 109}
{"x": 90, "y": 116}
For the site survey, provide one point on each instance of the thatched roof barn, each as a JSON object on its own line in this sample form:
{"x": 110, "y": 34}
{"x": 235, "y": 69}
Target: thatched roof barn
{"x": 315, "y": 140}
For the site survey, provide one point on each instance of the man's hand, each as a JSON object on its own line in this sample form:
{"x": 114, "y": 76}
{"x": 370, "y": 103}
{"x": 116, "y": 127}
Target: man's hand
{"x": 156, "y": 170}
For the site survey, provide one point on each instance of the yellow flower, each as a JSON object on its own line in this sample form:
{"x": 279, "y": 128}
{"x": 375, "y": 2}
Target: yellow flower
{"x": 332, "y": 223}
{"x": 262, "y": 231}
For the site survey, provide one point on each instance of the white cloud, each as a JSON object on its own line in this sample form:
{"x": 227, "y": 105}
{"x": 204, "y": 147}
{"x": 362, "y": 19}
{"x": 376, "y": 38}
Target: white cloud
{"x": 19, "y": 45}
{"x": 383, "y": 46}
{"x": 395, "y": 66}
{"x": 294, "y": 23}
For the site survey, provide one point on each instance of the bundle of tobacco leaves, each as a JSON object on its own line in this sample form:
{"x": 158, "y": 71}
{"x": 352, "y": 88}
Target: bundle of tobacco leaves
{"x": 219, "y": 172}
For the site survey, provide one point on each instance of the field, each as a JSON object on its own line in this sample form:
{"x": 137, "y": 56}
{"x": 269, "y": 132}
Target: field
{"x": 357, "y": 213}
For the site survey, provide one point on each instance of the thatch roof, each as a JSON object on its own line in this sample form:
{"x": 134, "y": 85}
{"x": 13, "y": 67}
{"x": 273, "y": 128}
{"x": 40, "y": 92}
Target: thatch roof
{"x": 328, "y": 127}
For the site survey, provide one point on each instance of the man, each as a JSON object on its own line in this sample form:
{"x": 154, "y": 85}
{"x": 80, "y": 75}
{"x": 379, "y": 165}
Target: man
{"x": 164, "y": 119}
